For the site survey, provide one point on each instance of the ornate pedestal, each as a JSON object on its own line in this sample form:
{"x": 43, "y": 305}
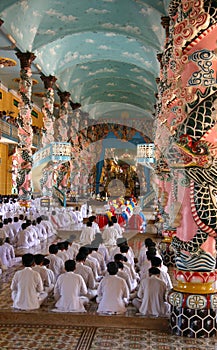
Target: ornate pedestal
{"x": 193, "y": 304}
{"x": 167, "y": 252}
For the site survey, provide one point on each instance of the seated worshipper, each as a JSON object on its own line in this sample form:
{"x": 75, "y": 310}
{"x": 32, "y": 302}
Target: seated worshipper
{"x": 9, "y": 254}
{"x": 33, "y": 233}
{"x": 78, "y": 214}
{"x": 23, "y": 238}
{"x": 91, "y": 262}
{"x": 117, "y": 226}
{"x": 130, "y": 254}
{"x": 8, "y": 230}
{"x": 15, "y": 226}
{"x": 87, "y": 274}
{"x": 48, "y": 226}
{"x": 123, "y": 274}
{"x": 27, "y": 287}
{"x": 95, "y": 226}
{"x": 124, "y": 249}
{"x": 42, "y": 233}
{"x": 142, "y": 254}
{"x": 87, "y": 234}
{"x": 164, "y": 275}
{"x": 150, "y": 299}
{"x": 95, "y": 253}
{"x": 102, "y": 248}
{"x": 151, "y": 253}
{"x": 43, "y": 271}
{"x": 127, "y": 269}
{"x": 70, "y": 290}
{"x": 73, "y": 248}
{"x": 113, "y": 292}
{"x": 46, "y": 264}
{"x": 3, "y": 233}
{"x": 62, "y": 251}
{"x": 56, "y": 263}
{"x": 109, "y": 235}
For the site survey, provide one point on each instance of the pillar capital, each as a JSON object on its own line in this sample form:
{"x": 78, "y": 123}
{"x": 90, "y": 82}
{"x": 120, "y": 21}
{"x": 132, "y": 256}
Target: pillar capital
{"x": 64, "y": 96}
{"x": 165, "y": 22}
{"x": 48, "y": 81}
{"x": 26, "y": 59}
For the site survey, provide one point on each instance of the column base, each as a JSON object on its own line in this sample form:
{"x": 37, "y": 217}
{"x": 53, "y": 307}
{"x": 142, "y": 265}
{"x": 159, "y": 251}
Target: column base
{"x": 193, "y": 316}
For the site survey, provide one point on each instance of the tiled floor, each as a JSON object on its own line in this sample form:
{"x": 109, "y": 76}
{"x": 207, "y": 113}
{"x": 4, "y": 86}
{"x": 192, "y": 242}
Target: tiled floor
{"x": 79, "y": 337}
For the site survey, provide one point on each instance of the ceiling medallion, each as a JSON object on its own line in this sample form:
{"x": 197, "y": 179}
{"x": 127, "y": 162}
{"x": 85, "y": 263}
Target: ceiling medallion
{"x": 34, "y": 81}
{"x": 7, "y": 62}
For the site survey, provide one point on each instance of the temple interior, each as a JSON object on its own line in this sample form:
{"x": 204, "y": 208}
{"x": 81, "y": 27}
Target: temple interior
{"x": 108, "y": 109}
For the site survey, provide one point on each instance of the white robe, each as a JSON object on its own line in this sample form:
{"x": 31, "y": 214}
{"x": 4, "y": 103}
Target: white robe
{"x": 27, "y": 289}
{"x": 112, "y": 291}
{"x": 151, "y": 293}
{"x": 68, "y": 292}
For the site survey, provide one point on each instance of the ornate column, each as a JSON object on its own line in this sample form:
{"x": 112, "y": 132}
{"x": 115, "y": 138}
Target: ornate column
{"x": 25, "y": 133}
{"x": 46, "y": 181}
{"x": 186, "y": 133}
{"x": 61, "y": 134}
{"x": 47, "y": 109}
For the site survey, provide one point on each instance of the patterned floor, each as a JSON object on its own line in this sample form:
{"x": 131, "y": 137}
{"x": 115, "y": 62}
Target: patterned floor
{"x": 15, "y": 337}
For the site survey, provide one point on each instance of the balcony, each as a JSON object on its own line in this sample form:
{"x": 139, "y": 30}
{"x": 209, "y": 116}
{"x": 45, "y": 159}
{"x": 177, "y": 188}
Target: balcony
{"x": 10, "y": 132}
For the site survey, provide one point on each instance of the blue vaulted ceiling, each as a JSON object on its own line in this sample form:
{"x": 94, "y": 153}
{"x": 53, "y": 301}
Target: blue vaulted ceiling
{"x": 101, "y": 51}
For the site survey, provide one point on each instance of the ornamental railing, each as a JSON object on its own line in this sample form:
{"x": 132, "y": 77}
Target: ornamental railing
{"x": 57, "y": 152}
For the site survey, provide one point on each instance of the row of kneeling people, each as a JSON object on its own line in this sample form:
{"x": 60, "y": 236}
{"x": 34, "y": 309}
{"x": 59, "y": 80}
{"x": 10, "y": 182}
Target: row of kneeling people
{"x": 76, "y": 275}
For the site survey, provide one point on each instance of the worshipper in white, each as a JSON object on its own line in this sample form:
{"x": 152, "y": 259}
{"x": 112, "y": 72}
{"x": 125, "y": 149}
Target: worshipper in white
{"x": 3, "y": 233}
{"x": 95, "y": 226}
{"x": 42, "y": 233}
{"x": 70, "y": 290}
{"x": 87, "y": 274}
{"x": 91, "y": 262}
{"x": 78, "y": 215}
{"x": 62, "y": 251}
{"x": 164, "y": 275}
{"x": 15, "y": 227}
{"x": 117, "y": 226}
{"x": 87, "y": 234}
{"x": 73, "y": 248}
{"x": 150, "y": 299}
{"x": 43, "y": 271}
{"x": 112, "y": 292}
{"x": 56, "y": 263}
{"x": 23, "y": 238}
{"x": 27, "y": 286}
{"x": 110, "y": 235}
{"x": 7, "y": 254}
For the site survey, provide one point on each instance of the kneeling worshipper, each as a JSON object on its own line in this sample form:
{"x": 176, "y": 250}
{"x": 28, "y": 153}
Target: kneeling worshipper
{"x": 113, "y": 292}
{"x": 70, "y": 290}
{"x": 27, "y": 286}
{"x": 151, "y": 299}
